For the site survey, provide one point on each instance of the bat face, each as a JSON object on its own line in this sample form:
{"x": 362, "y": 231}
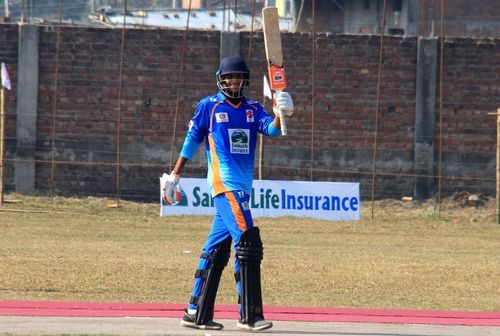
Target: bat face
{"x": 274, "y": 54}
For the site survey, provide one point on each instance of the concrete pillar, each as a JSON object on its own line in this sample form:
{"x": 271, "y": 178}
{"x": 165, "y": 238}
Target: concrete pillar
{"x": 27, "y": 98}
{"x": 229, "y": 44}
{"x": 425, "y": 118}
{"x": 412, "y": 24}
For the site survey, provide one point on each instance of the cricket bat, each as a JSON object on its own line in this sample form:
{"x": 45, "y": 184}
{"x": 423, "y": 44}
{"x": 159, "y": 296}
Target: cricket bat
{"x": 274, "y": 54}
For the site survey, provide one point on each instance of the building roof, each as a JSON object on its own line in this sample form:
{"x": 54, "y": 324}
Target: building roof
{"x": 199, "y": 19}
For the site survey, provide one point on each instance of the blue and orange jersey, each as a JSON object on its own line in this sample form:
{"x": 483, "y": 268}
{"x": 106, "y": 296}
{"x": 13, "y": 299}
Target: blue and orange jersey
{"x": 230, "y": 132}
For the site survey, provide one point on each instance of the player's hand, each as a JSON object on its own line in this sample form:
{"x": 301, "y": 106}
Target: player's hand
{"x": 171, "y": 191}
{"x": 283, "y": 104}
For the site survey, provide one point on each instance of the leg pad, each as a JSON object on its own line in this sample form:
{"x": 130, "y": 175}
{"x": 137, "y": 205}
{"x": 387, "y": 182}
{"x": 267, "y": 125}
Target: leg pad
{"x": 217, "y": 262}
{"x": 250, "y": 253}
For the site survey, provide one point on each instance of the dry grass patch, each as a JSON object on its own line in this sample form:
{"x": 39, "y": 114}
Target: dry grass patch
{"x": 408, "y": 257}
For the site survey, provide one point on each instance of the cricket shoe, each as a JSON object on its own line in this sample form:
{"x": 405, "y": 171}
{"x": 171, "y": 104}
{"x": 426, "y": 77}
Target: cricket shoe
{"x": 255, "y": 326}
{"x": 189, "y": 321}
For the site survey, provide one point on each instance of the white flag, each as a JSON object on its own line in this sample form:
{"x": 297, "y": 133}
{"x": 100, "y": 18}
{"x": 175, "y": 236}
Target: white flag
{"x": 5, "y": 77}
{"x": 267, "y": 89}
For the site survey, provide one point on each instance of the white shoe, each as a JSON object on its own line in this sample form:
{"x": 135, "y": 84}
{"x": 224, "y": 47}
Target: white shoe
{"x": 255, "y": 326}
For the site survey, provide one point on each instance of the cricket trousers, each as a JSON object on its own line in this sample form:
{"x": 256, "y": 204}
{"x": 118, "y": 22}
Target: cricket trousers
{"x": 232, "y": 218}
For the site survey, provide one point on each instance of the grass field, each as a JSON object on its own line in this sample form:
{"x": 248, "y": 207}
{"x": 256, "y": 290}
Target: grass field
{"x": 407, "y": 258}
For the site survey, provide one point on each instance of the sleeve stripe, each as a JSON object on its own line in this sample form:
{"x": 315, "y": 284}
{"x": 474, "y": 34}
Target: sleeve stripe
{"x": 212, "y": 115}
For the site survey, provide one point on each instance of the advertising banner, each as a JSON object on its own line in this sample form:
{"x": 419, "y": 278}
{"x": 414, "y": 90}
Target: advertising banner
{"x": 338, "y": 201}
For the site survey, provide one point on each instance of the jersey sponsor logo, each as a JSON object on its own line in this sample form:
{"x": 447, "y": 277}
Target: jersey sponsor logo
{"x": 191, "y": 123}
{"x": 221, "y": 117}
{"x": 245, "y": 206}
{"x": 249, "y": 115}
{"x": 239, "y": 140}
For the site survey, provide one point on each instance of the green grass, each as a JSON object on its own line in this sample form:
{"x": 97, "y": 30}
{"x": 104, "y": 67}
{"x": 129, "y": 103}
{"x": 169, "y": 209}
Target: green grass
{"x": 409, "y": 257}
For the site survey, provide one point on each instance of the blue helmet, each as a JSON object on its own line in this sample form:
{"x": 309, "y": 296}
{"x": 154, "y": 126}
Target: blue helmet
{"x": 232, "y": 65}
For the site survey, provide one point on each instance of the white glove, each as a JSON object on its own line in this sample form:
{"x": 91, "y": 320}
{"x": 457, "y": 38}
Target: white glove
{"x": 283, "y": 104}
{"x": 171, "y": 191}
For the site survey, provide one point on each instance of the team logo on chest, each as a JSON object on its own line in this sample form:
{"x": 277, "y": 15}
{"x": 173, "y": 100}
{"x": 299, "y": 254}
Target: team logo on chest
{"x": 249, "y": 115}
{"x": 239, "y": 140}
{"x": 221, "y": 117}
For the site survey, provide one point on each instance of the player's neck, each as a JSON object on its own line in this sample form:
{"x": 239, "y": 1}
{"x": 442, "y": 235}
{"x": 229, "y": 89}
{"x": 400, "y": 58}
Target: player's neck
{"x": 234, "y": 101}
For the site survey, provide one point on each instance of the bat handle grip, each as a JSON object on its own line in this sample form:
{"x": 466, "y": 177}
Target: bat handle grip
{"x": 284, "y": 130}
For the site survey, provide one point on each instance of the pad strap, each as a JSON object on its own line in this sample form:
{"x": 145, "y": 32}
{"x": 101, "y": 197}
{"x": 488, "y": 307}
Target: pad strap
{"x": 201, "y": 274}
{"x": 194, "y": 299}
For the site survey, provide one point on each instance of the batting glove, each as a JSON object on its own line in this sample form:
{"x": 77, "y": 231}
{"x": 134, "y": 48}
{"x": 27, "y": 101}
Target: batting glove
{"x": 283, "y": 104}
{"x": 171, "y": 191}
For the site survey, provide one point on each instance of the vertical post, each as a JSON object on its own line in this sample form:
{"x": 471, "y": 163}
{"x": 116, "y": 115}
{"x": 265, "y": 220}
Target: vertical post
{"x": 22, "y": 11}
{"x": 424, "y": 183}
{"x": 2, "y": 143}
{"x": 313, "y": 86}
{"x": 119, "y": 111}
{"x": 261, "y": 154}
{"x": 223, "y": 15}
{"x": 261, "y": 145}
{"x": 26, "y": 109}
{"x": 498, "y": 166}
{"x": 6, "y": 6}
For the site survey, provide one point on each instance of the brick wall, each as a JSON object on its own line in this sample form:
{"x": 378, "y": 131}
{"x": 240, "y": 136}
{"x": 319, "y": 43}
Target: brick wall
{"x": 88, "y": 110}
{"x": 346, "y": 69}
{"x": 338, "y": 136}
{"x": 464, "y": 18}
{"x": 471, "y": 90}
